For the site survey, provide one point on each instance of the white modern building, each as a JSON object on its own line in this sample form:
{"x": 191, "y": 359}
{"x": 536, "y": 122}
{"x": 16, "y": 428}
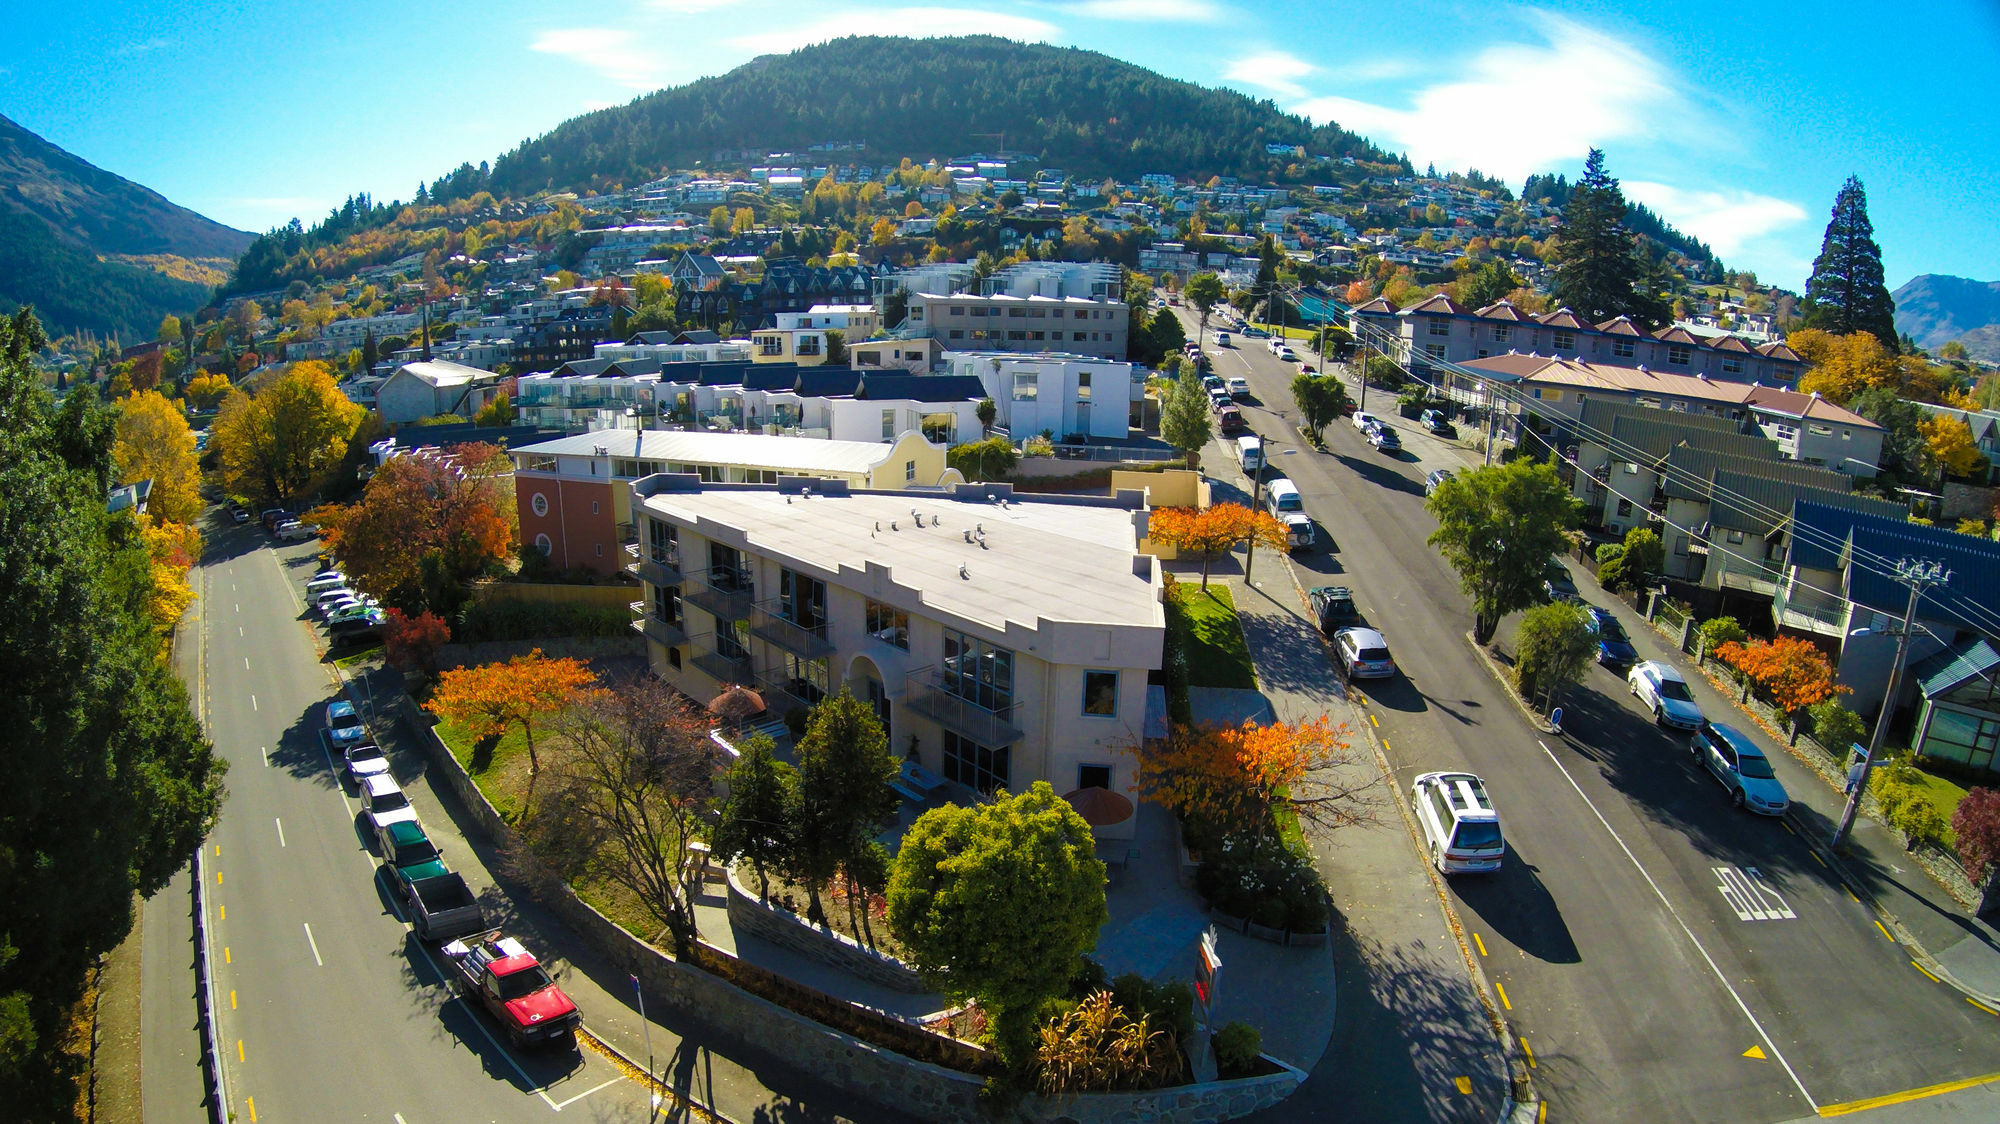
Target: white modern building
{"x": 1067, "y": 395}
{"x": 1001, "y": 639}
{"x": 426, "y": 390}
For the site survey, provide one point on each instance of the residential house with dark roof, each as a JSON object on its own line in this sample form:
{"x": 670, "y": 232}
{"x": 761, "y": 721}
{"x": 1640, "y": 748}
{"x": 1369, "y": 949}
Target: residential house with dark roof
{"x": 708, "y": 293}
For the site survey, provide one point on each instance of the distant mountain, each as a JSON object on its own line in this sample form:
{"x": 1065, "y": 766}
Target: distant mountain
{"x": 62, "y": 217}
{"x": 1936, "y": 308}
{"x": 1083, "y": 112}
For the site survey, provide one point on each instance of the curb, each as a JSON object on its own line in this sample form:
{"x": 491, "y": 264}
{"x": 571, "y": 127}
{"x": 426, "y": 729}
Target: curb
{"x": 639, "y": 1074}
{"x": 1535, "y": 720}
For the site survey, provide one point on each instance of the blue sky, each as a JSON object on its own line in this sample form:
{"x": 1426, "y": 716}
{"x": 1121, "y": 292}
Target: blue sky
{"x": 1737, "y": 124}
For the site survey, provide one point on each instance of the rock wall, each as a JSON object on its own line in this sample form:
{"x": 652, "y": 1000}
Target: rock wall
{"x": 788, "y": 930}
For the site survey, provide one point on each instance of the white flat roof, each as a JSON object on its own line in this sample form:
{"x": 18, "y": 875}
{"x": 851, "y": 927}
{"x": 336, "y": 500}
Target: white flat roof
{"x": 750, "y": 450}
{"x": 1058, "y": 561}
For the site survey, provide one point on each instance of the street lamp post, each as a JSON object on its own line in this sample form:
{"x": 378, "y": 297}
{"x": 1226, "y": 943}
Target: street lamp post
{"x": 1919, "y": 576}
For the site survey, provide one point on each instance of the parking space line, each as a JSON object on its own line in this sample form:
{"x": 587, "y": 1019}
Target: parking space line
{"x": 560, "y": 1105}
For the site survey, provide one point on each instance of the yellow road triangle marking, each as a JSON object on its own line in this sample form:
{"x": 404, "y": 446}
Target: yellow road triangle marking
{"x": 1755, "y": 1052}
{"x": 1465, "y": 1085}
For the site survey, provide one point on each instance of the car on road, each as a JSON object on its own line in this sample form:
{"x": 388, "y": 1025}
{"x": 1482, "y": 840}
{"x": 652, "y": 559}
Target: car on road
{"x": 237, "y": 514}
{"x": 1557, "y": 586}
{"x": 1333, "y": 607}
{"x": 1255, "y": 333}
{"x": 1229, "y": 419}
{"x": 1385, "y": 440}
{"x": 343, "y": 725}
{"x": 1733, "y": 759}
{"x": 409, "y": 855}
{"x": 363, "y": 761}
{"x": 1213, "y": 383}
{"x": 1222, "y": 340}
{"x": 1364, "y": 421}
{"x": 1666, "y": 694}
{"x": 1614, "y": 648}
{"x": 1436, "y": 480}
{"x": 1363, "y": 653}
{"x": 383, "y": 802}
{"x": 1239, "y": 387}
{"x": 295, "y": 531}
{"x": 499, "y": 974}
{"x": 1288, "y": 355}
{"x": 1461, "y": 827}
{"x": 1436, "y": 422}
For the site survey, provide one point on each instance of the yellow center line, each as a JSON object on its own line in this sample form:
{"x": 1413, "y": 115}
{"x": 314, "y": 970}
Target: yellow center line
{"x": 1816, "y": 858}
{"x": 222, "y": 912}
{"x": 252, "y": 1102}
{"x": 1480, "y": 943}
{"x": 218, "y": 878}
{"x": 1530, "y": 1051}
{"x": 1372, "y": 722}
{"x": 232, "y": 999}
{"x": 1925, "y": 971}
{"x": 1906, "y": 1096}
{"x": 1981, "y": 1006}
{"x": 239, "y": 1049}
{"x": 1541, "y": 1112}
{"x": 1885, "y": 933}
{"x": 1502, "y": 989}
{"x": 225, "y": 955}
{"x": 1850, "y": 893}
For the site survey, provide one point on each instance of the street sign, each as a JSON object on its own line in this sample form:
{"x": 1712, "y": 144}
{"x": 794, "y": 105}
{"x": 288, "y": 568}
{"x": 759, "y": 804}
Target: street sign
{"x": 1208, "y": 966}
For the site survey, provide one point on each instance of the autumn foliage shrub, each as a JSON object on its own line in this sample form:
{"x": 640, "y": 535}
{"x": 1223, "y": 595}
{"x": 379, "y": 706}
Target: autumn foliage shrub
{"x": 1977, "y": 825}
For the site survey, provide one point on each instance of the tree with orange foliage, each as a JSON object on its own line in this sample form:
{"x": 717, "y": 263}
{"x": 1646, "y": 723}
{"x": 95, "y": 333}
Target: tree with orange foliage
{"x": 483, "y": 701}
{"x": 413, "y": 641}
{"x": 1793, "y": 672}
{"x": 1214, "y": 530}
{"x": 1240, "y": 775}
{"x": 426, "y": 526}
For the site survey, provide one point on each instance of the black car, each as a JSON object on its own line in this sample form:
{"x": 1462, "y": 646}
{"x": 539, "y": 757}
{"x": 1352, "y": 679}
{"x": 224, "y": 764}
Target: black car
{"x": 1333, "y": 606}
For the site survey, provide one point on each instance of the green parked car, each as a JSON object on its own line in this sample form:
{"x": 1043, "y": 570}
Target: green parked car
{"x": 409, "y": 855}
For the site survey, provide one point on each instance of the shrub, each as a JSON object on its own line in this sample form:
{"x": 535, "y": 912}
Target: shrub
{"x": 1836, "y": 727}
{"x": 1097, "y": 1046}
{"x": 1717, "y": 631}
{"x": 1977, "y": 825}
{"x": 1921, "y": 822}
{"x": 1169, "y": 1005}
{"x": 1237, "y": 1045}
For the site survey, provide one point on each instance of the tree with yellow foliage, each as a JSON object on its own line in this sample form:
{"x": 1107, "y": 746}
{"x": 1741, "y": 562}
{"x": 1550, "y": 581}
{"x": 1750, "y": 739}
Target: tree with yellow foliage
{"x": 1952, "y": 444}
{"x": 1241, "y": 775}
{"x": 883, "y": 232}
{"x": 153, "y": 442}
{"x": 744, "y": 219}
{"x": 273, "y": 446}
{"x": 207, "y": 389}
{"x": 173, "y": 549}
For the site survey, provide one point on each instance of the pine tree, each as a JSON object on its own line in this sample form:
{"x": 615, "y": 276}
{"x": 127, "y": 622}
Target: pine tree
{"x": 1846, "y": 293}
{"x": 1598, "y": 267}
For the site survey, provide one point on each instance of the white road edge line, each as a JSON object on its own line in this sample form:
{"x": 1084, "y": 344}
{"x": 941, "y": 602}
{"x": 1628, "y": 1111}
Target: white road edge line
{"x": 281, "y": 830}
{"x": 314, "y": 944}
{"x": 398, "y": 1117}
{"x": 253, "y": 702}
{"x": 1692, "y": 939}
{"x": 266, "y": 751}
{"x": 560, "y": 1105}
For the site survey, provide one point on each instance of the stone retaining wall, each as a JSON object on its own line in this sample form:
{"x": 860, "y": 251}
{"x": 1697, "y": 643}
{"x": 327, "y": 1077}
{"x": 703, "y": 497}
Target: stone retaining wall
{"x": 788, "y": 930}
{"x": 919, "y": 1089}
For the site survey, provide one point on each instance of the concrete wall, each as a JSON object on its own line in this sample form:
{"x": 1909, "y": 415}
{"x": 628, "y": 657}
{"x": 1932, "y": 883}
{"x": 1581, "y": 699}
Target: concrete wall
{"x": 788, "y": 930}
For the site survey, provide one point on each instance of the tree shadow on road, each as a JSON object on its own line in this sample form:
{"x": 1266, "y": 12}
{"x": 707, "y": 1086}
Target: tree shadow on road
{"x": 1378, "y": 472}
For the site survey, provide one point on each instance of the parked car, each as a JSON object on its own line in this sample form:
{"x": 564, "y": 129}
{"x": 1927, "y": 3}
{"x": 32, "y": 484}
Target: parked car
{"x": 1733, "y": 759}
{"x": 1239, "y": 387}
{"x": 334, "y": 600}
{"x": 408, "y": 854}
{"x": 295, "y": 531}
{"x": 1213, "y": 383}
{"x": 1666, "y": 694}
{"x": 1288, "y": 355}
{"x": 498, "y": 974}
{"x": 443, "y": 906}
{"x": 1364, "y": 653}
{"x": 1365, "y": 421}
{"x": 343, "y": 725}
{"x": 1436, "y": 422}
{"x": 1333, "y": 606}
{"x": 1308, "y": 369}
{"x": 1436, "y": 480}
{"x": 355, "y": 630}
{"x": 1230, "y": 419}
{"x": 363, "y": 761}
{"x": 1557, "y": 586}
{"x": 238, "y": 514}
{"x": 1222, "y": 340}
{"x": 270, "y": 517}
{"x": 1255, "y": 333}
{"x": 383, "y": 802}
{"x": 357, "y": 609}
{"x": 1461, "y": 826}
{"x": 1385, "y": 440}
{"x": 1614, "y": 648}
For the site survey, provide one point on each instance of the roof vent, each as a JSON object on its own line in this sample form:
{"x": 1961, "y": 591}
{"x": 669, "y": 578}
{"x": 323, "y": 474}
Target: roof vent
{"x": 968, "y": 534}
{"x": 892, "y": 525}
{"x": 963, "y": 572}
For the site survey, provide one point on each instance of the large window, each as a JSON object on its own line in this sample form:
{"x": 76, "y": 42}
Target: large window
{"x": 1440, "y": 327}
{"x": 805, "y": 678}
{"x": 888, "y": 425}
{"x": 974, "y": 765}
{"x": 1622, "y": 348}
{"x": 978, "y": 672}
{"x": 732, "y": 639}
{"x": 1027, "y": 386}
{"x": 802, "y": 601}
{"x": 1502, "y": 333}
{"x": 1565, "y": 341}
{"x": 726, "y": 571}
{"x": 889, "y": 624}
{"x": 1100, "y": 693}
{"x": 667, "y": 604}
{"x": 660, "y": 542}
{"x": 1677, "y": 355}
{"x": 1083, "y": 386}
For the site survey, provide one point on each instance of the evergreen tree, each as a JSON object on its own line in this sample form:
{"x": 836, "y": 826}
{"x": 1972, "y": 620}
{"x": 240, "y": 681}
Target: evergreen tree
{"x": 1598, "y": 268}
{"x": 1846, "y": 293}
{"x": 1186, "y": 421}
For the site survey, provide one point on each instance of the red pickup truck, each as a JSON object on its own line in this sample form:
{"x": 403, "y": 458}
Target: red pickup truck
{"x": 512, "y": 985}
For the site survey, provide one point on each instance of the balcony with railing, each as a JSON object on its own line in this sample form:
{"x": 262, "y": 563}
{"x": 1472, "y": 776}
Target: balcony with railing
{"x": 927, "y": 693}
{"x": 1798, "y": 606}
{"x": 656, "y": 629}
{"x": 719, "y": 667}
{"x": 782, "y": 693}
{"x": 725, "y": 594}
{"x": 653, "y": 565}
{"x": 772, "y": 622}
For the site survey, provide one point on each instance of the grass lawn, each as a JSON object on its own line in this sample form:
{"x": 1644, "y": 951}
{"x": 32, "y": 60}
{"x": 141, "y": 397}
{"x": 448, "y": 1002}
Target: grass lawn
{"x": 1217, "y": 653}
{"x": 1288, "y": 332}
{"x": 501, "y": 773}
{"x": 1944, "y": 796}
{"x": 349, "y": 663}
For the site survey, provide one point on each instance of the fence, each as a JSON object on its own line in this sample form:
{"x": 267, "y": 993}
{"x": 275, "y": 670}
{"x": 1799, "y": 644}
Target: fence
{"x": 1113, "y": 453}
{"x": 550, "y": 593}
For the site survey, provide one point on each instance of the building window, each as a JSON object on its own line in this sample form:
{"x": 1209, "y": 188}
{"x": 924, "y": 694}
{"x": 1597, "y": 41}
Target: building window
{"x": 667, "y": 604}
{"x": 1100, "y": 694}
{"x": 1565, "y": 341}
{"x": 1017, "y": 335}
{"x": 1680, "y": 544}
{"x": 974, "y": 765}
{"x": 809, "y": 345}
{"x": 539, "y": 504}
{"x": 958, "y": 333}
{"x": 805, "y": 678}
{"x": 600, "y": 550}
{"x": 1624, "y": 508}
{"x": 1434, "y": 350}
{"x": 674, "y": 658}
{"x": 1503, "y": 333}
{"x": 1082, "y": 315}
{"x": 1631, "y": 468}
{"x": 770, "y": 345}
{"x": 1026, "y": 386}
{"x": 888, "y": 425}
{"x": 978, "y": 672}
{"x": 732, "y": 639}
{"x": 1037, "y": 314}
{"x": 1093, "y": 776}
{"x": 1440, "y": 327}
{"x": 1017, "y": 312}
{"x": 889, "y": 624}
{"x": 1732, "y": 366}
{"x": 1083, "y": 386}
{"x": 541, "y": 464}
{"x": 909, "y": 472}
{"x": 543, "y": 544}
{"x": 593, "y": 504}
{"x": 1080, "y": 335}
{"x": 660, "y": 541}
{"x": 1677, "y": 354}
{"x": 802, "y": 601}
{"x": 1818, "y": 430}
{"x": 958, "y": 310}
{"x": 1622, "y": 348}
{"x": 1037, "y": 335}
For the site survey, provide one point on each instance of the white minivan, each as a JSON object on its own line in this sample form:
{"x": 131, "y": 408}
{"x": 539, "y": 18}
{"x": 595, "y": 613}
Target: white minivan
{"x": 318, "y": 586}
{"x": 1250, "y": 455}
{"x": 1282, "y": 500}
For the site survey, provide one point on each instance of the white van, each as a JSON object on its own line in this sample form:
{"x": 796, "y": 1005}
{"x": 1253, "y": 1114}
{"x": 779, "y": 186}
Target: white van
{"x": 1282, "y": 500}
{"x": 324, "y": 585}
{"x": 1250, "y": 455}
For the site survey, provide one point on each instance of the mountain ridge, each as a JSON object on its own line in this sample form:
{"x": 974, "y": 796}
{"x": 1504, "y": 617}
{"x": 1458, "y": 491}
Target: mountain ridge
{"x": 1937, "y": 308}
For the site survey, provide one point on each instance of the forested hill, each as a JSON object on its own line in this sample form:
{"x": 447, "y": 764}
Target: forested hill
{"x": 1084, "y": 112}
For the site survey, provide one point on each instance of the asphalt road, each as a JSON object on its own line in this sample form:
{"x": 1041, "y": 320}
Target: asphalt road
{"x": 1634, "y": 983}
{"x": 328, "y": 1006}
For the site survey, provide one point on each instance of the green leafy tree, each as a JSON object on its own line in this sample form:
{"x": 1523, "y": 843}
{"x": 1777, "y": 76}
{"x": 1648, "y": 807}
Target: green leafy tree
{"x": 111, "y": 783}
{"x": 1487, "y": 284}
{"x": 986, "y": 411}
{"x": 1835, "y": 727}
{"x": 757, "y": 815}
{"x": 1906, "y": 446}
{"x": 1598, "y": 268}
{"x": 1846, "y": 292}
{"x": 1204, "y": 292}
{"x": 1553, "y": 647}
{"x": 988, "y": 459}
{"x": 1498, "y": 526}
{"x": 1166, "y": 333}
{"x": 999, "y": 903}
{"x": 1185, "y": 418}
{"x": 1717, "y": 631}
{"x": 844, "y": 796}
{"x": 1320, "y": 398}
{"x": 1624, "y": 565}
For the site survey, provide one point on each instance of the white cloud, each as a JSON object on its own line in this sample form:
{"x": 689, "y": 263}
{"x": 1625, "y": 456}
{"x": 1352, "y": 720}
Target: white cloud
{"x": 1275, "y": 71}
{"x": 1178, "y": 11}
{"x": 1728, "y": 220}
{"x": 609, "y": 51}
{"x": 1523, "y": 108}
{"x": 921, "y": 23}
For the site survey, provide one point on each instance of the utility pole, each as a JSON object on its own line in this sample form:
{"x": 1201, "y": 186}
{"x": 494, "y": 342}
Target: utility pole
{"x": 1256, "y": 502}
{"x": 1919, "y": 576}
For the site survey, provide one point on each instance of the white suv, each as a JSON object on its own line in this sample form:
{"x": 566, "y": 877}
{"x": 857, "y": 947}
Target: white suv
{"x": 1460, "y": 825}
